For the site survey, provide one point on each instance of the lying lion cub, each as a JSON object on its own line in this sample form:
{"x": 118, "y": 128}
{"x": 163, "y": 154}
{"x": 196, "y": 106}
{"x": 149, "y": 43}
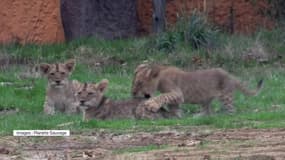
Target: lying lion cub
{"x": 60, "y": 91}
{"x": 97, "y": 106}
{"x": 178, "y": 86}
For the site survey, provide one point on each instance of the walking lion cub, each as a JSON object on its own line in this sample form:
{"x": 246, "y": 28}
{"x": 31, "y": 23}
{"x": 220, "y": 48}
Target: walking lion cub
{"x": 59, "y": 91}
{"x": 95, "y": 105}
{"x": 178, "y": 86}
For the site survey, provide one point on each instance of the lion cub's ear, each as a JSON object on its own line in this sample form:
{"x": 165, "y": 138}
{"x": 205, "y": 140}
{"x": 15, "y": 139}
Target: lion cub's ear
{"x": 102, "y": 85}
{"x": 70, "y": 64}
{"x": 154, "y": 71}
{"x": 44, "y": 67}
{"x": 140, "y": 67}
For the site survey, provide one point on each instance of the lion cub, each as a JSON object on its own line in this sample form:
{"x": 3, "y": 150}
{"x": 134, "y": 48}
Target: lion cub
{"x": 59, "y": 91}
{"x": 95, "y": 105}
{"x": 178, "y": 86}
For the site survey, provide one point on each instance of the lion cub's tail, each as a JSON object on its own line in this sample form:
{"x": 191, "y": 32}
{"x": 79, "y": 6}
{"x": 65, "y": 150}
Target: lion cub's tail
{"x": 248, "y": 92}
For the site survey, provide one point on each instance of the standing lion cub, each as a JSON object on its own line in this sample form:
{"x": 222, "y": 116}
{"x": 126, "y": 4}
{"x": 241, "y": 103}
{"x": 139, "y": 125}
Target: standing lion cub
{"x": 178, "y": 86}
{"x": 60, "y": 91}
{"x": 95, "y": 105}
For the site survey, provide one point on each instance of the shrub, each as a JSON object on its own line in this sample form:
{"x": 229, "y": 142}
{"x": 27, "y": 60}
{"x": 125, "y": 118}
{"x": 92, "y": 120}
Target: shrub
{"x": 192, "y": 30}
{"x": 277, "y": 9}
{"x": 166, "y": 42}
{"x": 196, "y": 30}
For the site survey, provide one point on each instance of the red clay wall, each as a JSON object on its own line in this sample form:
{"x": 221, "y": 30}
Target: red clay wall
{"x": 247, "y": 15}
{"x": 30, "y": 21}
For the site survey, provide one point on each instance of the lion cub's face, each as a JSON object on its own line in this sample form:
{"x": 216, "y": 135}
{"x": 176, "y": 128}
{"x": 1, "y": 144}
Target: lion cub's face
{"x": 145, "y": 81}
{"x": 88, "y": 94}
{"x": 57, "y": 74}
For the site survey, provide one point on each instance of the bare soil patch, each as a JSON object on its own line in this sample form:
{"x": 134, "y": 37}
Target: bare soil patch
{"x": 5, "y": 111}
{"x": 241, "y": 144}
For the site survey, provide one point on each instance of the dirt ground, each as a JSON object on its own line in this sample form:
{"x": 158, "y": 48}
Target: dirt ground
{"x": 171, "y": 144}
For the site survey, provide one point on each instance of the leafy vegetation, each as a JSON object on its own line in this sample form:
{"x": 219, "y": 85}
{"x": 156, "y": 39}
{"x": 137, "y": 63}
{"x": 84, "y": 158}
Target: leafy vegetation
{"x": 196, "y": 31}
{"x": 277, "y": 9}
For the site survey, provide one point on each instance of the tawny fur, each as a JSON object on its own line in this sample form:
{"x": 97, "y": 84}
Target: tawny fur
{"x": 177, "y": 86}
{"x": 59, "y": 92}
{"x": 97, "y": 106}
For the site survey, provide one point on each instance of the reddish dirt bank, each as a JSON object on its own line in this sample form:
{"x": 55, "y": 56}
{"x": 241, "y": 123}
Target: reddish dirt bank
{"x": 39, "y": 21}
{"x": 30, "y": 21}
{"x": 242, "y": 144}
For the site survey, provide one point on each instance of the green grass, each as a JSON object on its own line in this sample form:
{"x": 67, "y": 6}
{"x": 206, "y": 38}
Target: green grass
{"x": 267, "y": 110}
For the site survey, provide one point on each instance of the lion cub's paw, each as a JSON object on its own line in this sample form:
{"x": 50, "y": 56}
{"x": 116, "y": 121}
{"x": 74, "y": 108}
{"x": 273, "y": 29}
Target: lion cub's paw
{"x": 151, "y": 106}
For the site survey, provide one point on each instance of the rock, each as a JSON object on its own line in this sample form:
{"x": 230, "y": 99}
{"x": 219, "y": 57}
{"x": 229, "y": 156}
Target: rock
{"x": 103, "y": 18}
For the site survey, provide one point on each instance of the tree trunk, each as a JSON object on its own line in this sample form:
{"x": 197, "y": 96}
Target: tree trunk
{"x": 232, "y": 20}
{"x": 158, "y": 24}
